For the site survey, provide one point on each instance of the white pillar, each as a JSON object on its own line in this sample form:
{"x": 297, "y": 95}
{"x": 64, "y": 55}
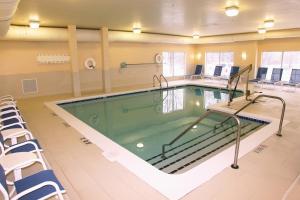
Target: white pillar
{"x": 74, "y": 60}
{"x": 105, "y": 60}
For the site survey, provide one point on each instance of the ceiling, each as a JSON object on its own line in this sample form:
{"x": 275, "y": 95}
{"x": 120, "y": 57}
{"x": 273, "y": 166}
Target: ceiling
{"x": 178, "y": 17}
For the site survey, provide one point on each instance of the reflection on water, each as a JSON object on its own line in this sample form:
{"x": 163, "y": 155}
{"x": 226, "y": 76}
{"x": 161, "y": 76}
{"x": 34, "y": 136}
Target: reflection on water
{"x": 142, "y": 122}
{"x": 173, "y": 100}
{"x": 213, "y": 97}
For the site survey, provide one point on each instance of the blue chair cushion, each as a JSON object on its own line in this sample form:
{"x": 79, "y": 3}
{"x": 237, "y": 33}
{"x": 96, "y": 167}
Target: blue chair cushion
{"x": 26, "y": 148}
{"x": 198, "y": 70}
{"x": 8, "y": 115}
{"x": 3, "y": 178}
{"x": 6, "y": 109}
{"x": 35, "y": 179}
{"x": 218, "y": 71}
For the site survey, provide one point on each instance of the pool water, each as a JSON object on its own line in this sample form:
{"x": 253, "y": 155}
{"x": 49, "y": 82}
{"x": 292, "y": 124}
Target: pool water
{"x": 143, "y": 122}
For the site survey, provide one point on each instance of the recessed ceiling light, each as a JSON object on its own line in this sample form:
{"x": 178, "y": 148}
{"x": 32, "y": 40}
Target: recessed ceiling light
{"x": 196, "y": 36}
{"x": 232, "y": 11}
{"x": 261, "y": 30}
{"x": 34, "y": 24}
{"x": 269, "y": 23}
{"x": 137, "y": 30}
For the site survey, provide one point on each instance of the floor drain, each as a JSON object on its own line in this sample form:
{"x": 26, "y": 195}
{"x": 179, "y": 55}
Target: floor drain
{"x": 66, "y": 124}
{"x": 85, "y": 141}
{"x": 260, "y": 148}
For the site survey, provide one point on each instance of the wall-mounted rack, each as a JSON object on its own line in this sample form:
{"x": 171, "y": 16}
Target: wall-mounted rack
{"x": 125, "y": 65}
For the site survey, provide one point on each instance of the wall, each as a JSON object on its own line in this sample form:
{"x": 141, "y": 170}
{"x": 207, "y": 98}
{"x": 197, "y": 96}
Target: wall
{"x": 141, "y": 53}
{"x": 18, "y": 61}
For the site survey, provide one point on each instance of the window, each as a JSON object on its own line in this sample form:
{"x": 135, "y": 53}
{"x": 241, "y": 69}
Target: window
{"x": 173, "y": 100}
{"x": 287, "y": 60}
{"x": 174, "y": 64}
{"x": 212, "y": 59}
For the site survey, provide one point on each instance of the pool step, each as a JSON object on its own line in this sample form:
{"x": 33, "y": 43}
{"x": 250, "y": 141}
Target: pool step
{"x": 184, "y": 156}
{"x": 200, "y": 135}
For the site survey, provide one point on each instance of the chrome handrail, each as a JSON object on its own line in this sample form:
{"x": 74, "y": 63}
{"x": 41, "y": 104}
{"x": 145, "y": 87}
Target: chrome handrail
{"x": 162, "y": 76}
{"x": 153, "y": 80}
{"x": 238, "y": 75}
{"x": 253, "y": 101}
{"x": 238, "y": 135}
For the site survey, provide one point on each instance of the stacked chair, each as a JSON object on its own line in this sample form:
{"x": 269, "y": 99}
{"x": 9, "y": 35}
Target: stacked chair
{"x": 19, "y": 150}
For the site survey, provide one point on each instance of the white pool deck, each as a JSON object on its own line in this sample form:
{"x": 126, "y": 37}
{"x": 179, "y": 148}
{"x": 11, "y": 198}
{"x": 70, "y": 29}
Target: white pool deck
{"x": 87, "y": 174}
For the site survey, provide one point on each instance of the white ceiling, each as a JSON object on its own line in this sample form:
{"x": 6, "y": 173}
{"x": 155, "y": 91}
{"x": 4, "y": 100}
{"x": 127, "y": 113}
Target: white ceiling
{"x": 181, "y": 17}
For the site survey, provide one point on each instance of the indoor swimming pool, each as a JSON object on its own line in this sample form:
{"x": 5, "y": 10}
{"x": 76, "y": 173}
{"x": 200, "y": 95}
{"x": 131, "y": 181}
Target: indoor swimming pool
{"x": 132, "y": 127}
{"x": 143, "y": 122}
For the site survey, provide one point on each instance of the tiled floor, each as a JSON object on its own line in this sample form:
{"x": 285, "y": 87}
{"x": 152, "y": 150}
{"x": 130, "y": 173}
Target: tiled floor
{"x": 86, "y": 174}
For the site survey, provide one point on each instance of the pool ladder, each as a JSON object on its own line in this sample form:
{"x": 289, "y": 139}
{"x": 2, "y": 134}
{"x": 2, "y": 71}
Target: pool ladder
{"x": 159, "y": 80}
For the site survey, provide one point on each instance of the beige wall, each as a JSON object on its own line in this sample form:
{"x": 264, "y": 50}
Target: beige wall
{"x": 18, "y": 61}
{"x": 141, "y": 53}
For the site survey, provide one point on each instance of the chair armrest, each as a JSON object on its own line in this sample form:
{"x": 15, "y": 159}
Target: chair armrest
{"x": 22, "y": 144}
{"x": 18, "y": 117}
{"x": 9, "y": 111}
{"x": 8, "y": 106}
{"x": 36, "y": 187}
{"x": 16, "y": 134}
{"x": 3, "y": 103}
{"x": 21, "y": 124}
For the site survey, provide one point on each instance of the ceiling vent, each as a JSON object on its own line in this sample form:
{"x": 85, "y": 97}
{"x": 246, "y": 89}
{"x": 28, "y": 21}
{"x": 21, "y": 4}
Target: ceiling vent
{"x": 29, "y": 86}
{"x": 7, "y": 11}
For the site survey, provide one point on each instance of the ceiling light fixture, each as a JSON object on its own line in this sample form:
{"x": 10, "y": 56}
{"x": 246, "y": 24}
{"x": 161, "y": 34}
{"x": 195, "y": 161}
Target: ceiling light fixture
{"x": 232, "y": 11}
{"x": 137, "y": 30}
{"x": 269, "y": 23}
{"x": 261, "y": 30}
{"x": 196, "y": 36}
{"x": 34, "y": 24}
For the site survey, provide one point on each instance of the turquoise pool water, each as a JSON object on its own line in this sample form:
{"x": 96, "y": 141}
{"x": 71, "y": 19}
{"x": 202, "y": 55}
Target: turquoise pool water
{"x": 142, "y": 122}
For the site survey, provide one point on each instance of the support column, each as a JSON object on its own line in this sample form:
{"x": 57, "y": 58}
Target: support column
{"x": 105, "y": 60}
{"x": 74, "y": 60}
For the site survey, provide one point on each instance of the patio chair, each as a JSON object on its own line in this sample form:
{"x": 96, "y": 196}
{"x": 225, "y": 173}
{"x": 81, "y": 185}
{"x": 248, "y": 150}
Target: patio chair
{"x": 261, "y": 74}
{"x": 41, "y": 185}
{"x": 198, "y": 72}
{"x": 275, "y": 77}
{"x": 217, "y": 73}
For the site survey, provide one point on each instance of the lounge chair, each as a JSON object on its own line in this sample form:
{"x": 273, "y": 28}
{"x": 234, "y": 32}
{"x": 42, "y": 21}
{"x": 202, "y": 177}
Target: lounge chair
{"x": 217, "y": 73}
{"x": 275, "y": 77}
{"x": 198, "y": 72}
{"x": 233, "y": 71}
{"x": 294, "y": 81}
{"x": 295, "y": 78}
{"x": 261, "y": 74}
{"x": 41, "y": 185}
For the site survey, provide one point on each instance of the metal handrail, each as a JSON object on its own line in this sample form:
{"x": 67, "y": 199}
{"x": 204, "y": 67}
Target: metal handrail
{"x": 238, "y": 135}
{"x": 238, "y": 75}
{"x": 153, "y": 80}
{"x": 253, "y": 101}
{"x": 162, "y": 76}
